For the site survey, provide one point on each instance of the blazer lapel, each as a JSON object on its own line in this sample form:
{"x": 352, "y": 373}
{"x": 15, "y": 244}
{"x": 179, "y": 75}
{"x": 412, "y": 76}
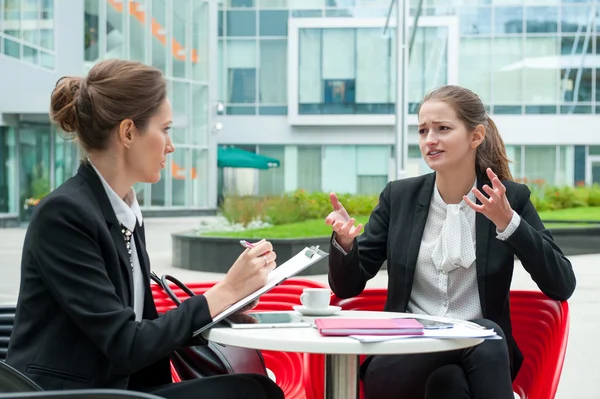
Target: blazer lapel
{"x": 482, "y": 235}
{"x": 89, "y": 174}
{"x": 418, "y": 227}
{"x": 140, "y": 243}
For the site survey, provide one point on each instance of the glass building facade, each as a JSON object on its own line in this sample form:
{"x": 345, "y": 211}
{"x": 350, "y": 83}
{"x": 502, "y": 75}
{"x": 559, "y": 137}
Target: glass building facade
{"x": 27, "y": 31}
{"x": 521, "y": 56}
{"x": 172, "y": 36}
{"x": 322, "y": 64}
{"x": 175, "y": 39}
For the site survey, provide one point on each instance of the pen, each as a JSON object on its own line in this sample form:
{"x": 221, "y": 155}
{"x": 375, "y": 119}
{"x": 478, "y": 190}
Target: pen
{"x": 246, "y": 244}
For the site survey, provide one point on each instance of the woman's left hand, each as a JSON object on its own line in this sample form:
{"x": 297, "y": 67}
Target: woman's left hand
{"x": 496, "y": 207}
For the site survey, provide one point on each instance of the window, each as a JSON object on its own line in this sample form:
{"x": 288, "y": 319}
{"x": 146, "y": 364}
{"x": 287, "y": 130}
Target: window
{"x": 273, "y": 23}
{"x": 508, "y": 70}
{"x": 241, "y": 71}
{"x": 352, "y": 70}
{"x": 7, "y": 170}
{"x": 242, "y": 85}
{"x": 273, "y": 72}
{"x": 272, "y": 181}
{"x": 309, "y": 168}
{"x": 475, "y": 70}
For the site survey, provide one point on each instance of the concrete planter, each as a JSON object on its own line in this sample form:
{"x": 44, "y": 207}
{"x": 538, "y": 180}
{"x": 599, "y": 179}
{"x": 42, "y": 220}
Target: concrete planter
{"x": 215, "y": 254}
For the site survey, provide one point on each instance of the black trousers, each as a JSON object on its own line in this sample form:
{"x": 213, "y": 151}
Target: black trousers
{"x": 237, "y": 386}
{"x": 479, "y": 372}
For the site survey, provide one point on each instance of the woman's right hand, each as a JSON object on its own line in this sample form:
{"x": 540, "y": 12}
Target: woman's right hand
{"x": 249, "y": 273}
{"x": 251, "y": 269}
{"x": 342, "y": 224}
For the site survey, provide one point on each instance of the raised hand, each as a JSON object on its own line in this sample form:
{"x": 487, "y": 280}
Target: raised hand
{"x": 495, "y": 207}
{"x": 342, "y": 224}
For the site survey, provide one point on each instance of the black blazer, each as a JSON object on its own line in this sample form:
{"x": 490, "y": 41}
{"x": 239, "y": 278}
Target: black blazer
{"x": 74, "y": 326}
{"x": 395, "y": 230}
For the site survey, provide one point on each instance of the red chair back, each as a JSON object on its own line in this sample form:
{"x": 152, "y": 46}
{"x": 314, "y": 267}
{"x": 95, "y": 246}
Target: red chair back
{"x": 541, "y": 329}
{"x": 287, "y": 367}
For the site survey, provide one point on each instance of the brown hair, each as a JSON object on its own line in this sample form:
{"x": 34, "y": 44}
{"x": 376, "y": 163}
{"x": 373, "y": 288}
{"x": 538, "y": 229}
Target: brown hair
{"x": 469, "y": 108}
{"x": 114, "y": 90}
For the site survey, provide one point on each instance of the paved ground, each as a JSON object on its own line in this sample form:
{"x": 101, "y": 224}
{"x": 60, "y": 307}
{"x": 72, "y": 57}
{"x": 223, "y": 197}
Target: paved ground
{"x": 582, "y": 365}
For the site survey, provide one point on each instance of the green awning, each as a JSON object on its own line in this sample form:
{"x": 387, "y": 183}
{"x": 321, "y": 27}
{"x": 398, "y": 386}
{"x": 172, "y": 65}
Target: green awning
{"x": 237, "y": 158}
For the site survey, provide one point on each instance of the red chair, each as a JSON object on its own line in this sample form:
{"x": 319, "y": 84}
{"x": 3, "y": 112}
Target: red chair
{"x": 287, "y": 367}
{"x": 540, "y": 328}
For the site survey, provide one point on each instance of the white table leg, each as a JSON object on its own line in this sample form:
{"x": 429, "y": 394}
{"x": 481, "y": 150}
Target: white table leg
{"x": 341, "y": 376}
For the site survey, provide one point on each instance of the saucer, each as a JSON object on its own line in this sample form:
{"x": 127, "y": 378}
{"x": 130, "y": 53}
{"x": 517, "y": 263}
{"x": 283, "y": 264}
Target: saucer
{"x": 328, "y": 311}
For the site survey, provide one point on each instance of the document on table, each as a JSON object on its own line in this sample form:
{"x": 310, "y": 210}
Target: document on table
{"x": 457, "y": 332}
{"x": 302, "y": 260}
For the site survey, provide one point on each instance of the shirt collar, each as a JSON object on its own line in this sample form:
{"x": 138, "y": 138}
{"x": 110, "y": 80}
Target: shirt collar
{"x": 126, "y": 209}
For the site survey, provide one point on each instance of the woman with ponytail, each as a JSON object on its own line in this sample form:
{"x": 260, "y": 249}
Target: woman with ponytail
{"x": 450, "y": 238}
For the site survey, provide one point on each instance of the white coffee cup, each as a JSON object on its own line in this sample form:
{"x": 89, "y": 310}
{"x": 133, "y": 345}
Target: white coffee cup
{"x": 315, "y": 298}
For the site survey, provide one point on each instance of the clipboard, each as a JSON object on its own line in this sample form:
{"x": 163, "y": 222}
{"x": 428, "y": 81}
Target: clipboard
{"x": 301, "y": 261}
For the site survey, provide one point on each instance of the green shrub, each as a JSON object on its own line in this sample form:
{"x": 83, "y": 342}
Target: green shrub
{"x": 301, "y": 205}
{"x": 292, "y": 207}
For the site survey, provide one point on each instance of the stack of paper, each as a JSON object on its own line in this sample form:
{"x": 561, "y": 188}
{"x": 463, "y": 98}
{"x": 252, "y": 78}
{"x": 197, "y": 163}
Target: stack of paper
{"x": 458, "y": 331}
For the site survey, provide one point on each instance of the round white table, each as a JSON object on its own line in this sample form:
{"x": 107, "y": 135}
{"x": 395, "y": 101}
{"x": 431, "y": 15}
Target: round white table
{"x": 341, "y": 353}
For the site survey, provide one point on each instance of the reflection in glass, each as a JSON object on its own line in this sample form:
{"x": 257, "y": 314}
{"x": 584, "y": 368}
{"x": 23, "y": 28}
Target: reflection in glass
{"x": 179, "y": 44}
{"x": 241, "y": 23}
{"x": 577, "y": 85}
{"x": 199, "y": 176}
{"x": 158, "y": 190}
{"x": 200, "y": 35}
{"x": 241, "y": 71}
{"x": 540, "y": 163}
{"x": 199, "y": 115}
{"x": 540, "y": 73}
{"x": 12, "y": 18}
{"x": 181, "y": 91}
{"x": 34, "y": 166}
{"x": 178, "y": 135}
{"x": 309, "y": 168}
{"x": 373, "y": 71}
{"x": 574, "y": 18}
{"x": 91, "y": 28}
{"x": 273, "y": 71}
{"x": 12, "y": 48}
{"x": 475, "y": 20}
{"x": 115, "y": 32}
{"x": 575, "y": 45}
{"x": 273, "y": 23}
{"x": 541, "y": 19}
{"x": 272, "y": 181}
{"x": 137, "y": 29}
{"x": 428, "y": 66}
{"x": 508, "y": 70}
{"x": 180, "y": 170}
{"x": 140, "y": 192}
{"x": 475, "y": 65}
{"x": 7, "y": 170}
{"x": 65, "y": 157}
{"x": 162, "y": 37}
{"x": 508, "y": 20}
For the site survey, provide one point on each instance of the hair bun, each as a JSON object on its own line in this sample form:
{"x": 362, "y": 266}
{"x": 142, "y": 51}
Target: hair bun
{"x": 63, "y": 103}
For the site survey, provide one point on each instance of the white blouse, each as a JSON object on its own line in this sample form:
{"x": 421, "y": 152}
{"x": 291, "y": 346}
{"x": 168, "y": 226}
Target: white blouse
{"x": 445, "y": 281}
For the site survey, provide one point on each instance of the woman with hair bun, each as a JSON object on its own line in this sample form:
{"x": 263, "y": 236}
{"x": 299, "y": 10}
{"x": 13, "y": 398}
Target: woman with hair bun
{"x": 85, "y": 315}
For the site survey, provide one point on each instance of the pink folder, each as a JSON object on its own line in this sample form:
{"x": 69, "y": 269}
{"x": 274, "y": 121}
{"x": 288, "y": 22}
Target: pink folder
{"x": 341, "y": 326}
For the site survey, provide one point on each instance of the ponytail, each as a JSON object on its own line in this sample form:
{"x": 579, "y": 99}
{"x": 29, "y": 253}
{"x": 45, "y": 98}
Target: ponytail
{"x": 492, "y": 153}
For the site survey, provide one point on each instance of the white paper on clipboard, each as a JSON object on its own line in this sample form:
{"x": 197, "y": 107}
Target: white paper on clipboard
{"x": 302, "y": 260}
